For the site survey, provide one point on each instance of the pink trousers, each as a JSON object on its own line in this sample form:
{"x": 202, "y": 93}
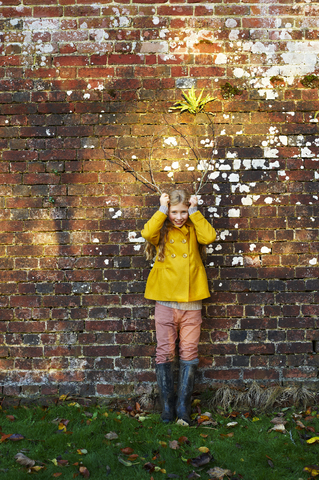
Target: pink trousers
{"x": 168, "y": 321}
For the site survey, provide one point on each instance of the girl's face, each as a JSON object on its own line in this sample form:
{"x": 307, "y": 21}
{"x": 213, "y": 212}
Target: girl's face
{"x": 178, "y": 214}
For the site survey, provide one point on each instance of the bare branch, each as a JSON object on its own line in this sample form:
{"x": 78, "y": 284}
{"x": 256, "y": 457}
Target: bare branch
{"x": 129, "y": 169}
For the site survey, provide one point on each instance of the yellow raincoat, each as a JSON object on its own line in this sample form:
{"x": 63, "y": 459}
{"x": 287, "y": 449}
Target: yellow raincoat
{"x": 181, "y": 277}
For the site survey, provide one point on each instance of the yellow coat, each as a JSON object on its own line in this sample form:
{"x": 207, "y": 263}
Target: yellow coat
{"x": 181, "y": 277}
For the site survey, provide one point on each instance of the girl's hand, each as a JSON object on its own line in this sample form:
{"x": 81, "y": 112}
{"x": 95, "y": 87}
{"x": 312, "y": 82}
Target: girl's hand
{"x": 164, "y": 200}
{"x": 193, "y": 201}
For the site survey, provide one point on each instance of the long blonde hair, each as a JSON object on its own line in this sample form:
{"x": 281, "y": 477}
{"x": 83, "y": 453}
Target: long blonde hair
{"x": 175, "y": 197}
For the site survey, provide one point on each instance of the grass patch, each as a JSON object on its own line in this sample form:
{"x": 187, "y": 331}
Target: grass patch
{"x": 70, "y": 441}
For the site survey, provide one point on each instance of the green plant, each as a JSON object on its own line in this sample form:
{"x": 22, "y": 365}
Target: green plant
{"x": 51, "y": 200}
{"x": 228, "y": 91}
{"x": 192, "y": 104}
{"x": 310, "y": 81}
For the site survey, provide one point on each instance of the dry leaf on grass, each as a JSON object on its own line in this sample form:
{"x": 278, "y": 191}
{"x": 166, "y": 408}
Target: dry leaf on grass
{"x": 84, "y": 472}
{"x": 201, "y": 460}
{"x": 182, "y": 440}
{"x": 111, "y": 436}
{"x": 15, "y": 437}
{"x": 182, "y": 423}
{"x": 218, "y": 473}
{"x": 300, "y": 425}
{"x": 278, "y": 428}
{"x": 313, "y": 440}
{"x": 231, "y": 424}
{"x": 10, "y": 417}
{"x": 174, "y": 445}
{"x": 278, "y": 421}
{"x": 127, "y": 450}
{"x": 24, "y": 460}
{"x": 312, "y": 469}
{"x": 204, "y": 449}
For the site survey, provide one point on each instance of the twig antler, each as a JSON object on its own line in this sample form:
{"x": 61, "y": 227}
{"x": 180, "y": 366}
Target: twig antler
{"x": 127, "y": 167}
{"x": 200, "y": 160}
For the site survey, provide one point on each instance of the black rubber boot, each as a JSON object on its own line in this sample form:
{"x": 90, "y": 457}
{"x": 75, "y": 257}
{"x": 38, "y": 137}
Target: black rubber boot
{"x": 187, "y": 370}
{"x": 165, "y": 382}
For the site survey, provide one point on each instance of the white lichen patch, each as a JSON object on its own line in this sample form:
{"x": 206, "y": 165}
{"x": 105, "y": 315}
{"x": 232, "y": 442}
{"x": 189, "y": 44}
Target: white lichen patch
{"x": 117, "y": 214}
{"x": 269, "y": 200}
{"x": 233, "y": 212}
{"x": 171, "y": 141}
{"x": 224, "y": 234}
{"x": 132, "y": 236}
{"x": 265, "y": 250}
{"x": 237, "y": 261}
{"x": 313, "y": 261}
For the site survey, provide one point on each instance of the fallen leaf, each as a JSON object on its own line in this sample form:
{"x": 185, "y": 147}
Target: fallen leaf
{"x": 193, "y": 474}
{"x": 62, "y": 427}
{"x": 162, "y": 444}
{"x": 182, "y": 440}
{"x": 10, "y": 417}
{"x": 313, "y": 440}
{"x": 36, "y": 468}
{"x": 15, "y": 437}
{"x": 231, "y": 424}
{"x": 150, "y": 467}
{"x": 63, "y": 463}
{"x": 111, "y": 436}
{"x": 203, "y": 418}
{"x": 203, "y": 449}
{"x": 84, "y": 472}
{"x": 201, "y": 460}
{"x": 24, "y": 460}
{"x": 204, "y": 435}
{"x": 57, "y": 474}
{"x": 278, "y": 428}
{"x": 54, "y": 461}
{"x": 182, "y": 423}
{"x": 229, "y": 435}
{"x": 300, "y": 425}
{"x": 256, "y": 419}
{"x": 82, "y": 451}
{"x": 5, "y": 437}
{"x": 218, "y": 473}
{"x": 127, "y": 463}
{"x": 278, "y": 421}
{"x": 174, "y": 445}
{"x": 127, "y": 450}
{"x": 105, "y": 414}
{"x": 312, "y": 469}
{"x": 133, "y": 457}
{"x": 63, "y": 397}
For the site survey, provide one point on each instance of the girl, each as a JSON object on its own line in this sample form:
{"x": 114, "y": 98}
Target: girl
{"x": 177, "y": 234}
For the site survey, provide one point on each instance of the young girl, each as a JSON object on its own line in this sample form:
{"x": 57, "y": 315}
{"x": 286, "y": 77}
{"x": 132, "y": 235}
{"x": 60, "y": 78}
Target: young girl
{"x": 177, "y": 234}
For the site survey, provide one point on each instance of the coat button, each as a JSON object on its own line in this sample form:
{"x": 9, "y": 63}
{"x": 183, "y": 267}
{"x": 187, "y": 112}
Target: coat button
{"x": 185, "y": 255}
{"x": 184, "y": 240}
{"x": 173, "y": 255}
{"x": 171, "y": 241}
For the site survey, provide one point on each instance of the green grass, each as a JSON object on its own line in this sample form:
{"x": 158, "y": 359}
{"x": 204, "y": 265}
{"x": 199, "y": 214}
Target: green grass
{"x": 251, "y": 453}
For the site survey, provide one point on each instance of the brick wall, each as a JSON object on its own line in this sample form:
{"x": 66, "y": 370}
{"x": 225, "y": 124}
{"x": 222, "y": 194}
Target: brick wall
{"x": 80, "y": 82}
